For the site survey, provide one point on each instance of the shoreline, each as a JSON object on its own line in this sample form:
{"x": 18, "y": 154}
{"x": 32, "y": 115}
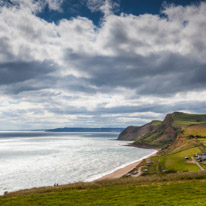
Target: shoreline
{"x": 119, "y": 172}
{"x": 115, "y": 174}
{"x": 142, "y": 146}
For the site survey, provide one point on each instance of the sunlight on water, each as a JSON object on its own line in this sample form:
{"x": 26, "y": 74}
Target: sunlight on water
{"x": 41, "y": 159}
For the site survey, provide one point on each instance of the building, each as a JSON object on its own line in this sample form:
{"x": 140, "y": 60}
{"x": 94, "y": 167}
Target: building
{"x": 201, "y": 156}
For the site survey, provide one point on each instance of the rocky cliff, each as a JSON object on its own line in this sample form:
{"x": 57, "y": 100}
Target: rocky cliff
{"x": 134, "y": 133}
{"x": 160, "y": 134}
{"x": 156, "y": 134}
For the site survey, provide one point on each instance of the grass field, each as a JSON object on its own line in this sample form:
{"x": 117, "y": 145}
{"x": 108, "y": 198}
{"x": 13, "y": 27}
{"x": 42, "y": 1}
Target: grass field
{"x": 171, "y": 189}
{"x": 126, "y": 192}
{"x": 180, "y": 116}
{"x": 196, "y": 130}
{"x": 153, "y": 168}
{"x": 156, "y": 122}
{"x": 153, "y": 165}
{"x": 202, "y": 140}
{"x": 177, "y": 162}
{"x": 183, "y": 119}
{"x": 179, "y": 124}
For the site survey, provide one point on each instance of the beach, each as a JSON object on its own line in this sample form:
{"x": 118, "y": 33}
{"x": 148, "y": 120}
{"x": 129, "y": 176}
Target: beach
{"x": 123, "y": 171}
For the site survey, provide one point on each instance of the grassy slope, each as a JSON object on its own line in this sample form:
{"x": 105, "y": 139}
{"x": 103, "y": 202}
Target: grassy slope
{"x": 129, "y": 191}
{"x": 202, "y": 140}
{"x": 171, "y": 127}
{"x": 177, "y": 162}
{"x": 156, "y": 122}
{"x": 149, "y": 140}
{"x": 160, "y": 134}
{"x": 174, "y": 162}
{"x": 196, "y": 130}
{"x": 172, "y": 158}
{"x": 183, "y": 119}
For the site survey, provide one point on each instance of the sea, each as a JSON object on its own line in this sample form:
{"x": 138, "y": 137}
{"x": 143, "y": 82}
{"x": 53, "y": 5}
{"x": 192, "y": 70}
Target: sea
{"x": 35, "y": 159}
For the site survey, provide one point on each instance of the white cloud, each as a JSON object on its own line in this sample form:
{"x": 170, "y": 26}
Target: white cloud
{"x": 128, "y": 71}
{"x": 105, "y": 6}
{"x": 94, "y": 5}
{"x": 33, "y": 5}
{"x": 55, "y": 4}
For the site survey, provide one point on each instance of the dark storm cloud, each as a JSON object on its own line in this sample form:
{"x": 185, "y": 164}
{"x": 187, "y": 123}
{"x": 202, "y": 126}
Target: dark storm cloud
{"x": 22, "y": 76}
{"x": 140, "y": 114}
{"x": 160, "y": 75}
{"x": 5, "y": 48}
{"x": 14, "y": 72}
{"x": 162, "y": 108}
{"x": 157, "y": 74}
{"x": 75, "y": 84}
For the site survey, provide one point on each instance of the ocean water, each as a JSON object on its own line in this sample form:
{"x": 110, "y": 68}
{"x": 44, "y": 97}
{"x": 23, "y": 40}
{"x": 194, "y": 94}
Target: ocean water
{"x": 34, "y": 159}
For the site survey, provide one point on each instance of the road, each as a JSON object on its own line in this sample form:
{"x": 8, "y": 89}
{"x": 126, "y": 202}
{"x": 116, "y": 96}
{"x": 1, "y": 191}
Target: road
{"x": 197, "y": 163}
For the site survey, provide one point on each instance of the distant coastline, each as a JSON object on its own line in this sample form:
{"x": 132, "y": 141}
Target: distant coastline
{"x": 81, "y": 129}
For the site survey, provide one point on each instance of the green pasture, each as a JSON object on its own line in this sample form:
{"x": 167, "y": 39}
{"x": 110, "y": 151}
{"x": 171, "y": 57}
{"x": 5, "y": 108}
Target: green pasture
{"x": 183, "y": 119}
{"x": 177, "y": 161}
{"x": 156, "y": 122}
{"x": 185, "y": 193}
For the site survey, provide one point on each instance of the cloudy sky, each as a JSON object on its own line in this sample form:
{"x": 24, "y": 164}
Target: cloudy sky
{"x": 100, "y": 63}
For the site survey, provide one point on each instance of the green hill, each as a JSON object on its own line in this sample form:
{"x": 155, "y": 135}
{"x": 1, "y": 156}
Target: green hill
{"x": 160, "y": 134}
{"x": 183, "y": 119}
{"x": 180, "y": 136}
{"x": 172, "y": 189}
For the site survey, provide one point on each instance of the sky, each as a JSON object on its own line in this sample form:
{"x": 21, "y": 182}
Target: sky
{"x": 100, "y": 63}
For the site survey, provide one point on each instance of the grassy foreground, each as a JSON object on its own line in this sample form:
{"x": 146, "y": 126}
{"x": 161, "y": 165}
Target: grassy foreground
{"x": 170, "y": 189}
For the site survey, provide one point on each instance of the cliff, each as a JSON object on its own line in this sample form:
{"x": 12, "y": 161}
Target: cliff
{"x": 134, "y": 133}
{"x": 160, "y": 134}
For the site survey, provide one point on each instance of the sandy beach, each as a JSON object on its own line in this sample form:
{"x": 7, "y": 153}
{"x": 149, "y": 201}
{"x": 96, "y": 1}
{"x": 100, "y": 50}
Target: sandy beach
{"x": 121, "y": 172}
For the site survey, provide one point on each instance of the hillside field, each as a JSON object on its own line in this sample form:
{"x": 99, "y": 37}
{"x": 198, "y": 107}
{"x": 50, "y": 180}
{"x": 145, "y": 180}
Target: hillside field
{"x": 188, "y": 189}
{"x": 195, "y": 130}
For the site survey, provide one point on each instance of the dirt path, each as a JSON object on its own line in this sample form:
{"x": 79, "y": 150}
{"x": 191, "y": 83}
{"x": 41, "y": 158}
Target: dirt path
{"x": 139, "y": 172}
{"x": 197, "y": 163}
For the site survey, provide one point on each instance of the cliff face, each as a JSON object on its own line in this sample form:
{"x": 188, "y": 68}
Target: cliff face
{"x": 152, "y": 134}
{"x": 173, "y": 131}
{"x": 133, "y": 133}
